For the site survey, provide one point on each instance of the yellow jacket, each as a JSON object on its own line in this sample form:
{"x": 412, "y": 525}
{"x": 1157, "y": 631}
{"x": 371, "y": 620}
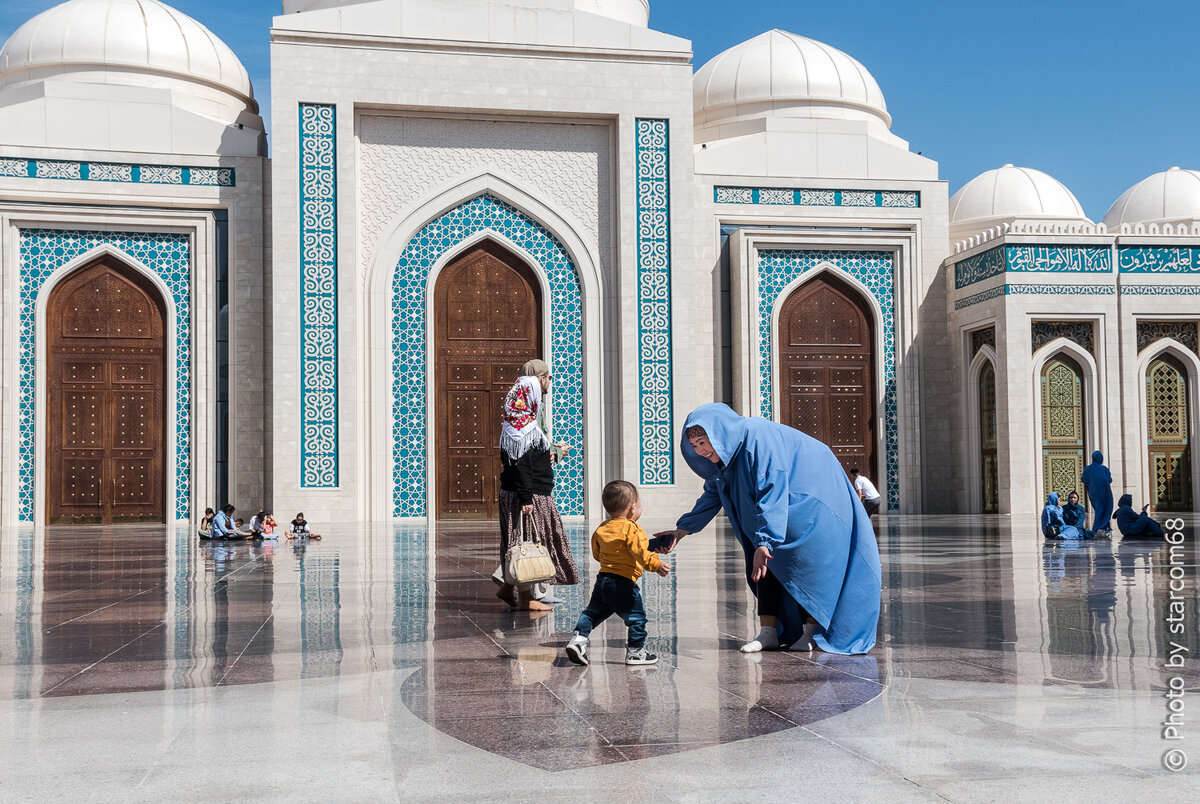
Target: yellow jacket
{"x": 622, "y": 548}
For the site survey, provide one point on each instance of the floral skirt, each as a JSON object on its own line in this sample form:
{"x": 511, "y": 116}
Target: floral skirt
{"x": 549, "y": 527}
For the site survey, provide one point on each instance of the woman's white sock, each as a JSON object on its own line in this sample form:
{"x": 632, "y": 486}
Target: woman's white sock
{"x": 767, "y": 639}
{"x": 805, "y": 642}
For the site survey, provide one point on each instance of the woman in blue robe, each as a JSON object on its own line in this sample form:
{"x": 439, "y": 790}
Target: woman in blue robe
{"x": 1097, "y": 481}
{"x": 1134, "y": 526}
{"x": 809, "y": 547}
{"x": 1074, "y": 514}
{"x": 1053, "y": 524}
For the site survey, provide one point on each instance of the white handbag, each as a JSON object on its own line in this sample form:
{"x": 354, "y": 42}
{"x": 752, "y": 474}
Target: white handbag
{"x": 527, "y": 561}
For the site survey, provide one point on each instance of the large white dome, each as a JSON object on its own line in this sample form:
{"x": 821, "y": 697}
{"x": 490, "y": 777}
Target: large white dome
{"x": 781, "y": 74}
{"x": 129, "y": 43}
{"x": 1014, "y": 192}
{"x": 1171, "y": 196}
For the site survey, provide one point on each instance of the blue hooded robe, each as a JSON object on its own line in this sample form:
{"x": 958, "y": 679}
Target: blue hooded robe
{"x": 1075, "y": 514}
{"x": 1133, "y": 525}
{"x": 784, "y": 489}
{"x": 1052, "y": 516}
{"x": 1097, "y": 481}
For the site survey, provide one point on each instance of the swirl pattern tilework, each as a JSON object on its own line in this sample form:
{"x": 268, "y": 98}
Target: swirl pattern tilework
{"x": 44, "y": 251}
{"x": 318, "y": 297}
{"x": 777, "y": 268}
{"x": 482, "y": 214}
{"x": 1149, "y": 332}
{"x": 655, "y": 422}
{"x": 129, "y": 173}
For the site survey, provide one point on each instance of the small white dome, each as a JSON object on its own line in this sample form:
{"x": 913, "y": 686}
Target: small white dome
{"x": 126, "y": 41}
{"x": 634, "y": 12}
{"x": 1167, "y": 197}
{"x": 1014, "y": 192}
{"x": 783, "y": 74}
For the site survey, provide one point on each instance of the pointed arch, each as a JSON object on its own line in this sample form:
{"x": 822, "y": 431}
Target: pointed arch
{"x": 985, "y": 358}
{"x": 1191, "y": 365}
{"x": 1093, "y": 424}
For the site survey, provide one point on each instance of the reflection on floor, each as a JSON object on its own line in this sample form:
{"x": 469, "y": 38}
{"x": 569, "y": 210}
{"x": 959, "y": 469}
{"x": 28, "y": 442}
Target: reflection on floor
{"x": 369, "y": 666}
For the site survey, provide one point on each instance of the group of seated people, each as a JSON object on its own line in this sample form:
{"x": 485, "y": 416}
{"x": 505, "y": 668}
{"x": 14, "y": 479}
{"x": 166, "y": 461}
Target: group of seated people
{"x": 1067, "y": 521}
{"x": 223, "y": 526}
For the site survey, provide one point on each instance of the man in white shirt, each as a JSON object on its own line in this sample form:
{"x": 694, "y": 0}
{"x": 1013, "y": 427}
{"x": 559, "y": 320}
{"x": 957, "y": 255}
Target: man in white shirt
{"x": 866, "y": 491}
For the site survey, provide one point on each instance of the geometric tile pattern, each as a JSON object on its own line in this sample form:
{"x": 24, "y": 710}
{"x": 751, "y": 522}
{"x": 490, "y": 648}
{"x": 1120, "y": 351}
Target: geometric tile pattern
{"x": 124, "y": 172}
{"x": 1079, "y": 332}
{"x": 1149, "y": 332}
{"x": 1141, "y": 260}
{"x": 777, "y": 268}
{"x": 785, "y": 196}
{"x": 1160, "y": 290}
{"x": 1036, "y": 290}
{"x": 654, "y": 302}
{"x": 318, "y": 297}
{"x": 484, "y": 213}
{"x": 44, "y": 251}
{"x": 1024, "y": 259}
{"x": 982, "y": 337}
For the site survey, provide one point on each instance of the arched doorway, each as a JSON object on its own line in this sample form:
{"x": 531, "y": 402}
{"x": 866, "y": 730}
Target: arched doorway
{"x": 1167, "y": 427}
{"x": 1063, "y": 425}
{"x": 487, "y": 323}
{"x": 826, "y": 369}
{"x": 106, "y": 364}
{"x": 988, "y": 468}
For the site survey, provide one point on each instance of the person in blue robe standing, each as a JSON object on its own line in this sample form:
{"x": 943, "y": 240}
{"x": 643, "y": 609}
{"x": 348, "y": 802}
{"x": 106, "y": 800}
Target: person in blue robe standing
{"x": 1075, "y": 514}
{"x": 1053, "y": 524}
{"x": 811, "y": 556}
{"x": 1097, "y": 482}
{"x": 1135, "y": 526}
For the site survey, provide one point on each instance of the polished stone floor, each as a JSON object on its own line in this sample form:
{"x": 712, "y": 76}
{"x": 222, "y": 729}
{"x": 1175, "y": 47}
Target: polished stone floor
{"x": 139, "y": 664}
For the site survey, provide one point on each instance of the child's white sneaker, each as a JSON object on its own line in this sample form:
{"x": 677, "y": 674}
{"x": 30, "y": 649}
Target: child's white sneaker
{"x": 767, "y": 639}
{"x": 577, "y": 649}
{"x": 640, "y": 656}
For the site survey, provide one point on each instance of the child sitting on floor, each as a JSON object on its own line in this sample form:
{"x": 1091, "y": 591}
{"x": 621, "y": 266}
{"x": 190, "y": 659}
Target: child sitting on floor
{"x": 622, "y": 548}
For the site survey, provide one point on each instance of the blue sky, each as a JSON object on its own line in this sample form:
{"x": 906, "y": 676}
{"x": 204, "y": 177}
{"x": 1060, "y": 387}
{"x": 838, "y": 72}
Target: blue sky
{"x": 1100, "y": 94}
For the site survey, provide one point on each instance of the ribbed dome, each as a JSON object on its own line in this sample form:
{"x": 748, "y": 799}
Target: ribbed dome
{"x": 787, "y": 75}
{"x": 1014, "y": 192}
{"x": 128, "y": 41}
{"x": 634, "y": 12}
{"x": 1166, "y": 197}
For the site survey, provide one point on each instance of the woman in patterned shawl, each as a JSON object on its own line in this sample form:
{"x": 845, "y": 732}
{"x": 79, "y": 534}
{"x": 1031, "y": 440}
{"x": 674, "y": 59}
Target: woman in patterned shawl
{"x": 526, "y": 483}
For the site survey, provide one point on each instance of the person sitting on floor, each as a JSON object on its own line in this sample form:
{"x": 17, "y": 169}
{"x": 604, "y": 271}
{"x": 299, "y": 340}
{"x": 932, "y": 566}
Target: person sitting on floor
{"x": 1074, "y": 513}
{"x": 206, "y": 524}
{"x": 1053, "y": 524}
{"x": 1133, "y": 526}
{"x": 300, "y": 528}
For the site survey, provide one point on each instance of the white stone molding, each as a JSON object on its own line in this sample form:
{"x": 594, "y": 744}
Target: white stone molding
{"x": 1094, "y": 410}
{"x": 1192, "y": 364}
{"x": 376, "y": 408}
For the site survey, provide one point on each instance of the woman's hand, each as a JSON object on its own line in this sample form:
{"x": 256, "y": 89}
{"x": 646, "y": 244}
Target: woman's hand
{"x": 674, "y": 535}
{"x": 761, "y": 556}
{"x": 527, "y": 510}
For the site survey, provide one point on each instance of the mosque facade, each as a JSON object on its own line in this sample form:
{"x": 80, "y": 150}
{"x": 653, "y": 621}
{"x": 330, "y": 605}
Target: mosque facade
{"x": 456, "y": 187}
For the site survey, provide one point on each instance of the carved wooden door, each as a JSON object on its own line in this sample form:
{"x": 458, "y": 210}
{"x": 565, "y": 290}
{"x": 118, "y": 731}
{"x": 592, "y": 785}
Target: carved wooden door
{"x": 1167, "y": 430}
{"x": 106, "y": 364}
{"x": 1063, "y": 426}
{"x": 826, "y": 370}
{"x": 487, "y": 313}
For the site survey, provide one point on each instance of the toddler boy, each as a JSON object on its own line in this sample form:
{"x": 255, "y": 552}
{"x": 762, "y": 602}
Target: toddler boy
{"x": 621, "y": 546}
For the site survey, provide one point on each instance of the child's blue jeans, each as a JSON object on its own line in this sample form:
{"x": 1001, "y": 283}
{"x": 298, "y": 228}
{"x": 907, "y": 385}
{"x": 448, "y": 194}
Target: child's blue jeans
{"x": 614, "y": 594}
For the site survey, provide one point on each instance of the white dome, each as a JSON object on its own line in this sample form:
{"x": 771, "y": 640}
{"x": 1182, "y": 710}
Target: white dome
{"x": 786, "y": 75}
{"x": 1014, "y": 192}
{"x": 634, "y": 12}
{"x": 125, "y": 43}
{"x": 1167, "y": 197}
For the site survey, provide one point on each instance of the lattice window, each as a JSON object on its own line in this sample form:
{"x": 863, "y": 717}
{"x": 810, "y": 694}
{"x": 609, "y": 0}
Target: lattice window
{"x": 1079, "y": 332}
{"x": 1166, "y": 400}
{"x": 1149, "y": 332}
{"x": 983, "y": 336}
{"x": 1062, "y": 425}
{"x": 987, "y": 438}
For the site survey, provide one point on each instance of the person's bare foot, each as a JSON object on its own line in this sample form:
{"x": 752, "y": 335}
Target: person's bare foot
{"x": 535, "y": 605}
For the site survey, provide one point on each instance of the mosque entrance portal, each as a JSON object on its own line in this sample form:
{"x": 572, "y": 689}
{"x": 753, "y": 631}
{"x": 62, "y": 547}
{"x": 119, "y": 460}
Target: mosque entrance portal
{"x": 106, "y": 364}
{"x": 826, "y": 370}
{"x": 487, "y": 324}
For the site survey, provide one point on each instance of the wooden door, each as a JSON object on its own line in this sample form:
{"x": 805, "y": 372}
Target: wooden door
{"x": 488, "y": 323}
{"x": 826, "y": 370}
{"x": 106, "y": 364}
{"x": 1063, "y": 426}
{"x": 989, "y": 466}
{"x": 1167, "y": 427}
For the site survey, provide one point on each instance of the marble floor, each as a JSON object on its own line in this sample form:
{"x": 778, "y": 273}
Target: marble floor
{"x": 139, "y": 664}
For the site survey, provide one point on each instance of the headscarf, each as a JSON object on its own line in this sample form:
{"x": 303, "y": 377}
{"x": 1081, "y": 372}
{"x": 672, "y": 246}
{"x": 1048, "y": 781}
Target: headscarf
{"x": 1126, "y": 501}
{"x": 1097, "y": 457}
{"x": 1052, "y": 513}
{"x": 519, "y": 430}
{"x": 539, "y": 368}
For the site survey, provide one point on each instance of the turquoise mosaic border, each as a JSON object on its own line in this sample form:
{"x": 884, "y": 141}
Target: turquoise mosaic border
{"x": 483, "y": 214}
{"x": 778, "y": 268}
{"x": 1031, "y": 259}
{"x": 121, "y": 172}
{"x": 318, "y": 297}
{"x": 44, "y": 251}
{"x": 1160, "y": 290}
{"x": 655, "y": 419}
{"x": 797, "y": 197}
{"x": 1035, "y": 290}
